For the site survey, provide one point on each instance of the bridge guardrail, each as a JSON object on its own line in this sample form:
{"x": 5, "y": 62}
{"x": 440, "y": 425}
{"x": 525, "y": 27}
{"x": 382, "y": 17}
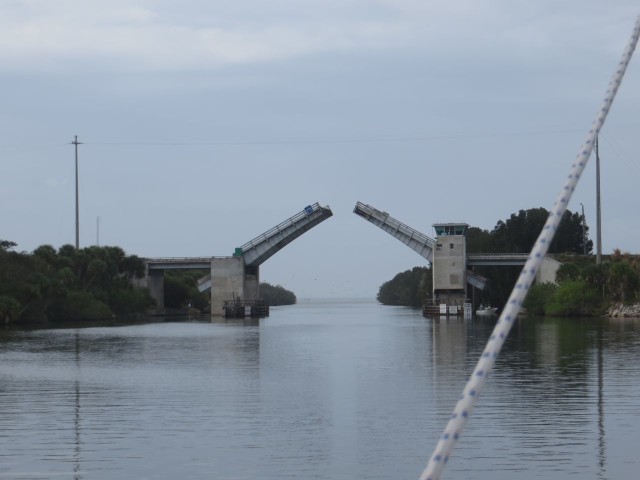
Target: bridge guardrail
{"x": 179, "y": 259}
{"x": 308, "y": 210}
{"x": 169, "y": 263}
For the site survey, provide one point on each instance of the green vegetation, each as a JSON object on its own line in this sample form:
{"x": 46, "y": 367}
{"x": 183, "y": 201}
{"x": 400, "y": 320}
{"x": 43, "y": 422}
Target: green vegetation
{"x": 586, "y": 289}
{"x": 181, "y": 291}
{"x": 517, "y": 234}
{"x": 69, "y": 284}
{"x": 276, "y": 295}
{"x": 410, "y": 288}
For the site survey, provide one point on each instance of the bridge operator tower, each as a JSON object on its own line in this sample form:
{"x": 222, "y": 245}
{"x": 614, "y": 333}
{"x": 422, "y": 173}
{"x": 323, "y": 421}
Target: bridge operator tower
{"x": 450, "y": 263}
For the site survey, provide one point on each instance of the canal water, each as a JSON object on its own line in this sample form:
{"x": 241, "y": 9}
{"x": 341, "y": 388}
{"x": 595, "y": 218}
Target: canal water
{"x": 319, "y": 390}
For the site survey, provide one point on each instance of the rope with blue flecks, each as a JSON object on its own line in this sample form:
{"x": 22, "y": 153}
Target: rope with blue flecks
{"x": 487, "y": 360}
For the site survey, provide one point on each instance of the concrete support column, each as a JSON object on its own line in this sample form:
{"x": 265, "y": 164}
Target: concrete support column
{"x": 548, "y": 270}
{"x": 251, "y": 283}
{"x": 155, "y": 283}
{"x": 227, "y": 282}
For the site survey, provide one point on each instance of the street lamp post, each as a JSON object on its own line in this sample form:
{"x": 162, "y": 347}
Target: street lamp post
{"x": 584, "y": 232}
{"x": 76, "y": 143}
{"x": 598, "y": 209}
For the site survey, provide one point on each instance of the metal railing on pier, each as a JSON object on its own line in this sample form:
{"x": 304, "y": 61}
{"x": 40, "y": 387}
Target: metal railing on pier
{"x": 238, "y": 308}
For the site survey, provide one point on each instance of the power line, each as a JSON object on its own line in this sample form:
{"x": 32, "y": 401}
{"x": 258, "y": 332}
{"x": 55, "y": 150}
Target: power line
{"x": 619, "y": 152}
{"x": 13, "y": 150}
{"x": 17, "y": 149}
{"x": 303, "y": 141}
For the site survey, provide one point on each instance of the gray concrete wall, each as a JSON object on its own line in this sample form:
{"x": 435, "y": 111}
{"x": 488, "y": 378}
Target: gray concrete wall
{"x": 155, "y": 283}
{"x": 450, "y": 263}
{"x": 252, "y": 283}
{"x": 227, "y": 282}
{"x": 548, "y": 270}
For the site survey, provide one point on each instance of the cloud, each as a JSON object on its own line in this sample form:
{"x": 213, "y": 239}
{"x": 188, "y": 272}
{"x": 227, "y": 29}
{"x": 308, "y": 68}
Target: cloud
{"x": 36, "y": 36}
{"x": 160, "y": 35}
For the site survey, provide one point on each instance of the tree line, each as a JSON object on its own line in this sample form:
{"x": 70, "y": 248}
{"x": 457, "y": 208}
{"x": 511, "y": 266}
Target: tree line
{"x": 93, "y": 283}
{"x": 587, "y": 289}
{"x": 69, "y": 283}
{"x": 518, "y": 233}
{"x": 275, "y": 295}
{"x": 410, "y": 288}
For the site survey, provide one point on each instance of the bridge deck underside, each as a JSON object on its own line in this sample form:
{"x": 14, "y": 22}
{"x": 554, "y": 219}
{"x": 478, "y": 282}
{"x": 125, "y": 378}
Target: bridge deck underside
{"x": 415, "y": 240}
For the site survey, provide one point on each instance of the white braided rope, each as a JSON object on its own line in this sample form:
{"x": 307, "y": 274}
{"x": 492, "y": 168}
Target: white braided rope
{"x": 487, "y": 360}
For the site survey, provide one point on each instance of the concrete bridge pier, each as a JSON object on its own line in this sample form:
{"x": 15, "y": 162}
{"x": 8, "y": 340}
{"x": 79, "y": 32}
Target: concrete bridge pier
{"x": 230, "y": 279}
{"x": 155, "y": 284}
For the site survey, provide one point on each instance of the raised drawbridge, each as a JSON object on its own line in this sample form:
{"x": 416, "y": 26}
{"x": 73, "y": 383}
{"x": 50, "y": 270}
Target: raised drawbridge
{"x": 236, "y": 277}
{"x": 260, "y": 249}
{"x": 412, "y": 238}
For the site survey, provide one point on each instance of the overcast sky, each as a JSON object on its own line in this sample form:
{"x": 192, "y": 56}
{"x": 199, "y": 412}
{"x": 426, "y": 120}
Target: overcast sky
{"x": 206, "y": 123}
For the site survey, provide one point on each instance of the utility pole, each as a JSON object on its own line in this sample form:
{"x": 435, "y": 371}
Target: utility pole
{"x": 98, "y": 230}
{"x": 76, "y": 143}
{"x": 584, "y": 232}
{"x": 598, "y": 215}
